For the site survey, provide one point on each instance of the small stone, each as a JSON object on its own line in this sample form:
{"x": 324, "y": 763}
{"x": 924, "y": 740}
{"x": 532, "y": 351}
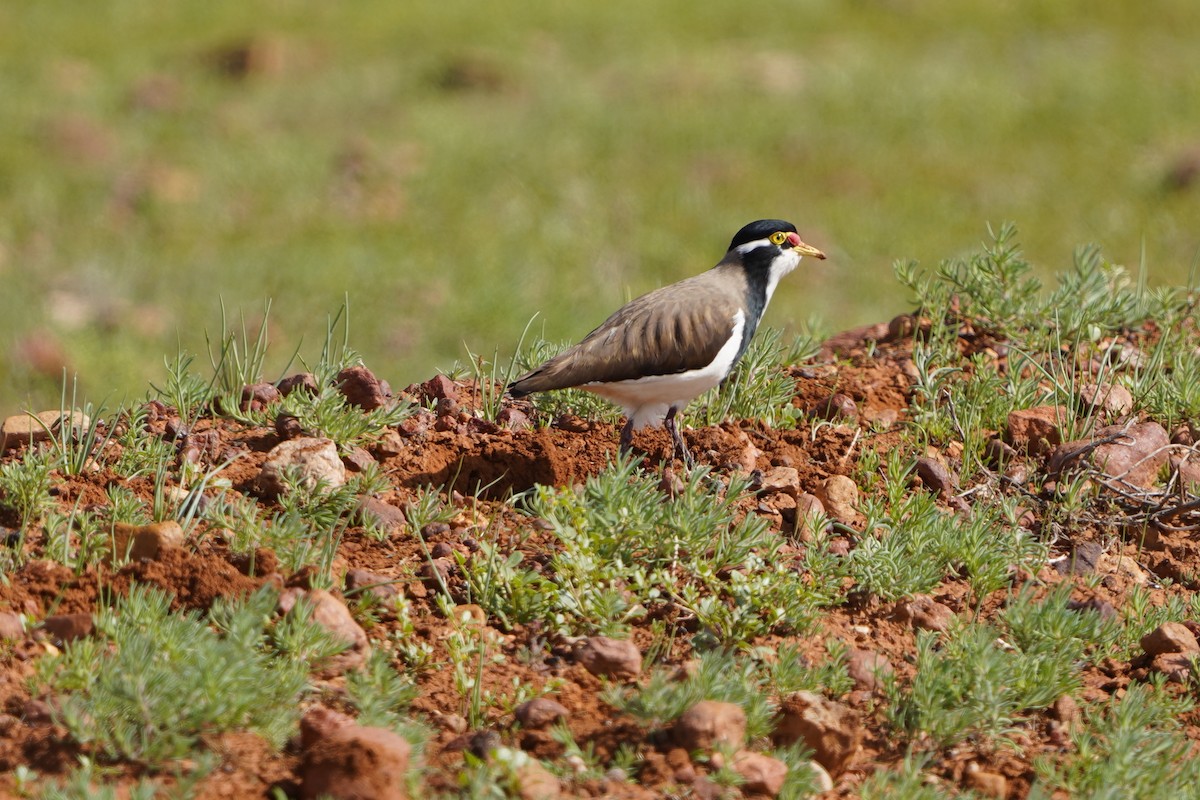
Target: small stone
{"x": 361, "y": 388}
{"x": 1177, "y": 667}
{"x": 1111, "y": 398}
{"x": 442, "y": 550}
{"x": 836, "y": 408}
{"x": 437, "y": 388}
{"x": 1066, "y": 710}
{"x": 31, "y": 429}
{"x": 1084, "y": 559}
{"x": 353, "y": 762}
{"x": 1170, "y": 637}
{"x": 922, "y": 612}
{"x": 868, "y": 669}
{"x": 332, "y": 615}
{"x": 11, "y": 627}
{"x": 436, "y": 571}
{"x": 316, "y": 461}
{"x": 900, "y": 327}
{"x": 710, "y": 723}
{"x": 821, "y": 777}
{"x": 1094, "y": 604}
{"x": 605, "y": 657}
{"x": 145, "y": 542}
{"x": 811, "y": 519}
{"x": 63, "y": 628}
{"x": 997, "y": 454}
{"x": 781, "y": 479}
{"x": 357, "y": 459}
{"x": 1036, "y": 430}
{"x": 839, "y": 495}
{"x": 361, "y": 580}
{"x": 761, "y": 774}
{"x": 513, "y": 419}
{"x": 540, "y": 712}
{"x": 1137, "y": 456}
{"x": 829, "y": 728}
{"x": 257, "y": 396}
{"x": 380, "y": 515}
{"x": 535, "y": 782}
{"x": 989, "y": 784}
{"x": 301, "y": 382}
{"x": 390, "y": 445}
{"x": 934, "y": 474}
{"x": 287, "y": 426}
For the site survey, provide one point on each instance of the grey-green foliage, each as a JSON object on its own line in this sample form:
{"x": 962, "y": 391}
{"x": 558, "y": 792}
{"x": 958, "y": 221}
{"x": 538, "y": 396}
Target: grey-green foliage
{"x": 908, "y": 782}
{"x": 153, "y": 681}
{"x": 720, "y": 675}
{"x": 626, "y": 546}
{"x": 759, "y": 387}
{"x": 972, "y": 682}
{"x": 919, "y": 544}
{"x": 25, "y": 486}
{"x": 1131, "y": 748}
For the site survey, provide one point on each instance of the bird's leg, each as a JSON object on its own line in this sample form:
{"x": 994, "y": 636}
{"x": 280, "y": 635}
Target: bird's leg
{"x": 627, "y": 436}
{"x": 681, "y": 448}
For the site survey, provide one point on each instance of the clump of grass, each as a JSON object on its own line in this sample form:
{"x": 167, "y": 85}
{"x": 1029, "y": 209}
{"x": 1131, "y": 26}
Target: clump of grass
{"x": 153, "y": 681}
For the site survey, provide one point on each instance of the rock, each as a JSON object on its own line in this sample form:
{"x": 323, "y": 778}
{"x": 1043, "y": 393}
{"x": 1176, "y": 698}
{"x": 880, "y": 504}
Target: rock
{"x": 605, "y": 657}
{"x": 437, "y": 388}
{"x": 145, "y": 542}
{"x": 830, "y": 729}
{"x": 257, "y": 396}
{"x": 1137, "y": 456}
{"x": 316, "y": 461}
{"x": 380, "y": 515}
{"x": 868, "y": 669}
{"x": 287, "y": 426}
{"x": 997, "y": 454}
{"x": 924, "y": 613}
{"x": 836, "y": 408}
{"x": 1036, "y": 430}
{"x": 31, "y": 429}
{"x": 1177, "y": 667}
{"x": 1188, "y": 471}
{"x": 301, "y": 382}
{"x": 321, "y": 722}
{"x": 988, "y": 784}
{"x": 357, "y": 459}
{"x": 332, "y": 615}
{"x": 761, "y": 774}
{"x": 781, "y": 479}
{"x": 390, "y": 445}
{"x": 811, "y": 519}
{"x": 1094, "y": 604}
{"x": 821, "y": 777}
{"x": 572, "y": 423}
{"x": 540, "y": 712}
{"x": 11, "y": 626}
{"x": 63, "y": 628}
{"x": 1170, "y": 637}
{"x": 435, "y": 572}
{"x": 710, "y": 723}
{"x": 934, "y": 474}
{"x": 361, "y": 580}
{"x": 1066, "y": 710}
{"x": 513, "y": 419}
{"x": 535, "y": 782}
{"x": 361, "y": 388}
{"x": 839, "y": 495}
{"x": 1110, "y": 398}
{"x": 1085, "y": 557}
{"x": 346, "y": 761}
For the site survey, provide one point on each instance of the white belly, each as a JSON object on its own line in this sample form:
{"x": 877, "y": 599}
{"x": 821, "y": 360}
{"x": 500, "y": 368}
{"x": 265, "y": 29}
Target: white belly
{"x": 647, "y": 400}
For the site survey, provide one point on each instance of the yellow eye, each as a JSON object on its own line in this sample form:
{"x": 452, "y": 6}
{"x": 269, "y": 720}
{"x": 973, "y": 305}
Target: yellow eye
{"x": 778, "y": 237}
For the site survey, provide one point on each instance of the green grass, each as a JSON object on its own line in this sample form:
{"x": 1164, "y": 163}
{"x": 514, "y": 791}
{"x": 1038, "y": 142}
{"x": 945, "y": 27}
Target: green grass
{"x": 601, "y": 151}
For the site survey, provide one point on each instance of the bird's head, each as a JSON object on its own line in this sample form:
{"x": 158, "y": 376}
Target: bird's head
{"x": 775, "y": 236}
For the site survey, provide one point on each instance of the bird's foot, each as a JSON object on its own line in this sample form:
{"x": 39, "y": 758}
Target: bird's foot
{"x": 681, "y": 450}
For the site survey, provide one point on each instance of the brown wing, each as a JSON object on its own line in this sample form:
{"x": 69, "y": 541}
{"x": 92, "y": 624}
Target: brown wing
{"x": 670, "y": 330}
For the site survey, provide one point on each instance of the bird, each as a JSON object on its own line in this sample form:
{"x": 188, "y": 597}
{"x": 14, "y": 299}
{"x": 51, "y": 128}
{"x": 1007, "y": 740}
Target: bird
{"x": 660, "y": 351}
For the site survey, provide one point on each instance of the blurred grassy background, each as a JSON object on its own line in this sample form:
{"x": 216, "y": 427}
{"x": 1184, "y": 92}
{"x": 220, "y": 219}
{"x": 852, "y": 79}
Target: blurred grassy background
{"x": 456, "y": 167}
